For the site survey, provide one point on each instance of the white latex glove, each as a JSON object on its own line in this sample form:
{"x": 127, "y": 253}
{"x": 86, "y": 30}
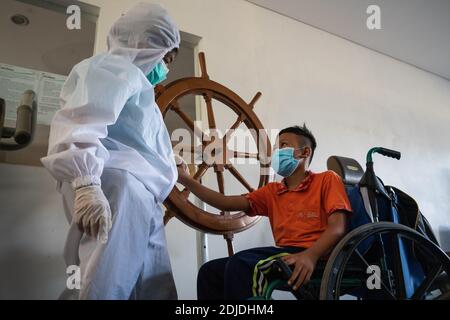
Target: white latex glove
{"x": 92, "y": 212}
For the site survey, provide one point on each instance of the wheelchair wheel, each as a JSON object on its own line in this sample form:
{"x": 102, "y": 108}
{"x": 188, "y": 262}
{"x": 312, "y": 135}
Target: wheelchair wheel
{"x": 409, "y": 267}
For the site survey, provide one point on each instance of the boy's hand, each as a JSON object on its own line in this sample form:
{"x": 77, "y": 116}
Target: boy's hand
{"x": 304, "y": 263}
{"x": 213, "y": 198}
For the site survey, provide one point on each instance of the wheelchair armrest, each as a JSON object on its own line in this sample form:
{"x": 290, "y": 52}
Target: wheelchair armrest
{"x": 283, "y": 268}
{"x": 301, "y": 293}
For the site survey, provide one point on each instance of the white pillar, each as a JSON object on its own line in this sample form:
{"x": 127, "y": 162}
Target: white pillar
{"x": 202, "y": 239}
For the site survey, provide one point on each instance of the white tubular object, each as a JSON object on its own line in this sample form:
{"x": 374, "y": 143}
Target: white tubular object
{"x": 202, "y": 240}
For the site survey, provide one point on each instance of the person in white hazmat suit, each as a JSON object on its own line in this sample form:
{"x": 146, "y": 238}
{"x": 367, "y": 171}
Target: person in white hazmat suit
{"x": 111, "y": 155}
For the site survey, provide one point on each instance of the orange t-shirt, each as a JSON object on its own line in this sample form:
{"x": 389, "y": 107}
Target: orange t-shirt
{"x": 300, "y": 216}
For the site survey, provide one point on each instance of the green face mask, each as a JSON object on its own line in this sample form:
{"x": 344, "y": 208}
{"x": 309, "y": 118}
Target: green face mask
{"x": 158, "y": 74}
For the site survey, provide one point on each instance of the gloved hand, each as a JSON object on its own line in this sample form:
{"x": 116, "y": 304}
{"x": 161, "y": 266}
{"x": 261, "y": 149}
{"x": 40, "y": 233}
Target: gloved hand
{"x": 92, "y": 212}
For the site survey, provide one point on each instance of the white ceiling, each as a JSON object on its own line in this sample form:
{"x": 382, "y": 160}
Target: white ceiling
{"x": 413, "y": 31}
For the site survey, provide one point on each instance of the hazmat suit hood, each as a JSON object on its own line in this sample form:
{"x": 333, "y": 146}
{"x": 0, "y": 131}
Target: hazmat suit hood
{"x": 144, "y": 35}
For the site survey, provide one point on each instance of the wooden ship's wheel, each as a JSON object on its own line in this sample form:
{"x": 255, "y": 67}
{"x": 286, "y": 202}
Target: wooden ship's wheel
{"x": 178, "y": 203}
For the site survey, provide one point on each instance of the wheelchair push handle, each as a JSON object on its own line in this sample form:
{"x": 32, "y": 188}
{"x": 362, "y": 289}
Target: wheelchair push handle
{"x": 383, "y": 151}
{"x": 390, "y": 153}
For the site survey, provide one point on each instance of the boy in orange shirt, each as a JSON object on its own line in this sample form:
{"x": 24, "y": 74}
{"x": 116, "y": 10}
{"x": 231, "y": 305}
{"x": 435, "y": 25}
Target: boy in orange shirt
{"x": 307, "y": 213}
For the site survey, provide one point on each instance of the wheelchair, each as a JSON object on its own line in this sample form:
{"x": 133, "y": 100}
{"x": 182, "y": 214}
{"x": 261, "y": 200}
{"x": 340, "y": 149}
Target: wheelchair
{"x": 389, "y": 253}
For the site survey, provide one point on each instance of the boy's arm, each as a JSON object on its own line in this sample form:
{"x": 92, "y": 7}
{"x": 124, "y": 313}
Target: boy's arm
{"x": 213, "y": 198}
{"x": 305, "y": 261}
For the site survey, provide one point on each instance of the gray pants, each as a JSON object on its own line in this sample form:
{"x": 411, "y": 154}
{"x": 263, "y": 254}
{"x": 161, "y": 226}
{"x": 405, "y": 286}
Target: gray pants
{"x": 134, "y": 263}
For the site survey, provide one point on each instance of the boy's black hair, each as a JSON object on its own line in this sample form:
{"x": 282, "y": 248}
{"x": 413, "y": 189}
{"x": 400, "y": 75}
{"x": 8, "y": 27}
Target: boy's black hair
{"x": 303, "y": 132}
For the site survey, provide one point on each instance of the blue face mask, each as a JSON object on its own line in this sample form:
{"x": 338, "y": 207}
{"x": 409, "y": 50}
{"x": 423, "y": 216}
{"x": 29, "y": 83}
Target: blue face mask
{"x": 283, "y": 161}
{"x": 158, "y": 74}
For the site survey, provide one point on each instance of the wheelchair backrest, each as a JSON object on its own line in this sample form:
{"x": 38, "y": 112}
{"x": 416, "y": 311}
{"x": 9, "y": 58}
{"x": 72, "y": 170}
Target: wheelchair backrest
{"x": 351, "y": 173}
{"x": 348, "y": 169}
{"x": 396, "y": 206}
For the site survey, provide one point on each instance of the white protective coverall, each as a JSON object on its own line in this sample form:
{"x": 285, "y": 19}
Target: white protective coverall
{"x": 110, "y": 131}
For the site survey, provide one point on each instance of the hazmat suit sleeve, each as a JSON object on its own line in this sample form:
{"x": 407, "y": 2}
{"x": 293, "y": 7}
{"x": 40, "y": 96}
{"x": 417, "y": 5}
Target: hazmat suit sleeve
{"x": 92, "y": 98}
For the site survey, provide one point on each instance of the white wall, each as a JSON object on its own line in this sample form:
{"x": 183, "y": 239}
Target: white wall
{"x": 32, "y": 234}
{"x": 352, "y": 98}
